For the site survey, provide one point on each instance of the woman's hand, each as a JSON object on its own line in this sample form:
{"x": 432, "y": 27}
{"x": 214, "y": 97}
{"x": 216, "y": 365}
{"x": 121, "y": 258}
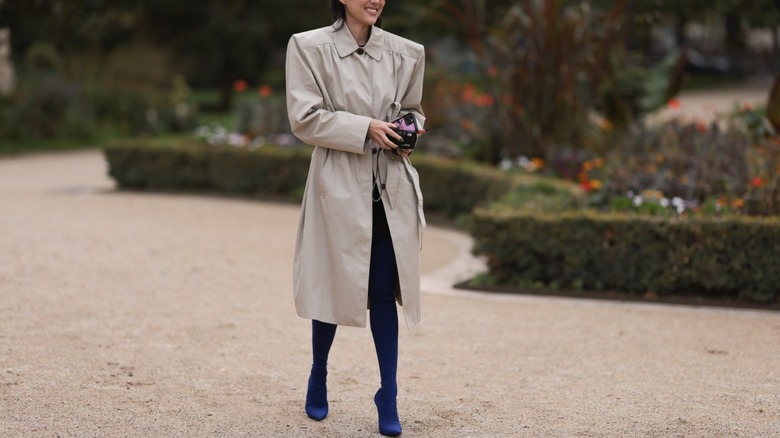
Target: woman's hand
{"x": 378, "y": 132}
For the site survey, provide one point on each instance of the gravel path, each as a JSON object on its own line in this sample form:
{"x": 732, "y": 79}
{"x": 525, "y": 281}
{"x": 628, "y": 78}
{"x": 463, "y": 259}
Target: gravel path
{"x": 147, "y": 315}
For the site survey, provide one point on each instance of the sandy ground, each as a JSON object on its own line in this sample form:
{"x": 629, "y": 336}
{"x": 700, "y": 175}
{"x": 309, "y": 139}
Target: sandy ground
{"x": 707, "y": 105}
{"x": 147, "y": 315}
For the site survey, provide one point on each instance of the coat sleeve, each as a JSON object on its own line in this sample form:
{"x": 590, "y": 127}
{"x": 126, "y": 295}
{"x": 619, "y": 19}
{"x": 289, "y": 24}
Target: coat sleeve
{"x": 411, "y": 100}
{"x": 310, "y": 121}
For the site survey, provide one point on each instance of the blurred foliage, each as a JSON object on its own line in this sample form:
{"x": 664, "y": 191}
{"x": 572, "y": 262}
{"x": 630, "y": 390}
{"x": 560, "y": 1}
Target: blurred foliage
{"x": 729, "y": 167}
{"x": 552, "y": 62}
{"x": 48, "y": 105}
{"x": 635, "y": 90}
{"x": 547, "y": 67}
{"x": 688, "y": 160}
{"x": 213, "y": 43}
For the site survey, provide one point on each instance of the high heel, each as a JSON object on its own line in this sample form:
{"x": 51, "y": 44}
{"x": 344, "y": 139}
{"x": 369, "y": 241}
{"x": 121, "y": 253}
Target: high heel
{"x": 317, "y": 395}
{"x": 387, "y": 408}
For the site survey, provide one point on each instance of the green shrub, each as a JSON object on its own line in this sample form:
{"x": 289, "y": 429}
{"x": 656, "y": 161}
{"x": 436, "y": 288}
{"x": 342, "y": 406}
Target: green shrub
{"x": 268, "y": 172}
{"x": 159, "y": 165}
{"x": 49, "y": 106}
{"x": 709, "y": 257}
{"x": 451, "y": 189}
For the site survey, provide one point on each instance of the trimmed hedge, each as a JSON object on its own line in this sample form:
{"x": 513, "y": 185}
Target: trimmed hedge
{"x": 533, "y": 231}
{"x": 451, "y": 189}
{"x": 173, "y": 165}
{"x": 720, "y": 258}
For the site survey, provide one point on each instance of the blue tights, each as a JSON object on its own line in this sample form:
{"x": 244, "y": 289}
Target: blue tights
{"x": 384, "y": 329}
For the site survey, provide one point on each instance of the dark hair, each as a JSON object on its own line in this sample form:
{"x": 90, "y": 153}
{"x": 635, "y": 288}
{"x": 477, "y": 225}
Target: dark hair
{"x": 339, "y": 12}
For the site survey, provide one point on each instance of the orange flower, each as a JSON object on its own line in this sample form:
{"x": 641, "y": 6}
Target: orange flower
{"x": 240, "y": 85}
{"x": 651, "y": 168}
{"x": 738, "y": 203}
{"x": 468, "y": 94}
{"x": 468, "y": 124}
{"x": 674, "y": 104}
{"x": 483, "y": 100}
{"x": 587, "y": 166}
{"x": 538, "y": 163}
{"x": 264, "y": 90}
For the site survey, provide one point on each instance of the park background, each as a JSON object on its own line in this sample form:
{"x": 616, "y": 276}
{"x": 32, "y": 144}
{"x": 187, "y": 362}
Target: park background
{"x": 544, "y": 115}
{"x": 586, "y": 149}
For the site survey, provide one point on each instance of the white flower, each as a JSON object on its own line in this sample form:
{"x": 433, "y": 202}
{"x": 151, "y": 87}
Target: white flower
{"x": 236, "y": 140}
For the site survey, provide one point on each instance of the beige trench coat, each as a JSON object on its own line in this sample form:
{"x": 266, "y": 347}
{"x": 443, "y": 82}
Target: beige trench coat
{"x": 334, "y": 89}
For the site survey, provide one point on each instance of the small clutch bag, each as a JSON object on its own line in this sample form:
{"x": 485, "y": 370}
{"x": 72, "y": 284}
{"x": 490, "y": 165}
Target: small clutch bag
{"x": 407, "y": 129}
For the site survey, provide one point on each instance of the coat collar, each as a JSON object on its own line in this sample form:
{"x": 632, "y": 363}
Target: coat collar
{"x": 346, "y": 45}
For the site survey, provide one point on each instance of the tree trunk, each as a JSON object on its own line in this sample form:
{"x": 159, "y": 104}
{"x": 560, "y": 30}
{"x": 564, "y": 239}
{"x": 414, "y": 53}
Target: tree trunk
{"x": 773, "y": 105}
{"x": 735, "y": 41}
{"x": 226, "y": 79}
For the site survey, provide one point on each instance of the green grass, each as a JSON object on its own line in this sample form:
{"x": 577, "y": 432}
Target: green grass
{"x": 209, "y": 96}
{"x": 227, "y": 120}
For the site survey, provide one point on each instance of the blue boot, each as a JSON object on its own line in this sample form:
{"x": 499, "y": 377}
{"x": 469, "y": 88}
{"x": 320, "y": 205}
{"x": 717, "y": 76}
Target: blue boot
{"x": 317, "y": 395}
{"x": 387, "y": 408}
{"x": 322, "y": 335}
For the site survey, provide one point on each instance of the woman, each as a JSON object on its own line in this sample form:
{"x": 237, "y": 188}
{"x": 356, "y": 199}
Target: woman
{"x": 361, "y": 220}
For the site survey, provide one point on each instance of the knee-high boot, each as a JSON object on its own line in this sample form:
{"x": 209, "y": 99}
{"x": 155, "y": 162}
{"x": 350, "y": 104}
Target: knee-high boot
{"x": 384, "y": 329}
{"x": 322, "y": 335}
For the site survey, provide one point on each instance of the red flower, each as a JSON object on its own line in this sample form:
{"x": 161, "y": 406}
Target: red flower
{"x": 701, "y": 127}
{"x": 483, "y": 100}
{"x": 240, "y": 85}
{"x": 264, "y": 90}
{"x": 674, "y": 104}
{"x": 756, "y": 182}
{"x": 586, "y": 185}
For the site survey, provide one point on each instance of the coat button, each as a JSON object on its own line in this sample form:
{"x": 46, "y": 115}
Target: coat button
{"x": 360, "y": 51}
